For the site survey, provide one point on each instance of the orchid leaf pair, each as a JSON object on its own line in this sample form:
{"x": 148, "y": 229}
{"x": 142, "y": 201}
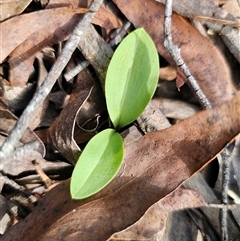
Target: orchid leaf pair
{"x": 131, "y": 81}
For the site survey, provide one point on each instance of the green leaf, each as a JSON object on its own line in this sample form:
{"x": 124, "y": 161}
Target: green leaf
{"x": 132, "y": 78}
{"x": 97, "y": 165}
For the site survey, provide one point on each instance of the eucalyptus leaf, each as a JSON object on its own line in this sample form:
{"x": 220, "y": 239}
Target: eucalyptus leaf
{"x": 97, "y": 165}
{"x": 132, "y": 78}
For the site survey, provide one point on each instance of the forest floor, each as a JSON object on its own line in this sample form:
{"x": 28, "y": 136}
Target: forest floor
{"x": 180, "y": 177}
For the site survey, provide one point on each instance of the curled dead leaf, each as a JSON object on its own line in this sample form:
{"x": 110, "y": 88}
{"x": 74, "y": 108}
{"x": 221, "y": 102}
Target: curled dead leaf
{"x": 61, "y": 132}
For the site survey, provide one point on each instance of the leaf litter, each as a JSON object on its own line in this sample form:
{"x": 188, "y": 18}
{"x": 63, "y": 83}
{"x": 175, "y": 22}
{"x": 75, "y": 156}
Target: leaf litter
{"x": 176, "y": 154}
{"x": 139, "y": 184}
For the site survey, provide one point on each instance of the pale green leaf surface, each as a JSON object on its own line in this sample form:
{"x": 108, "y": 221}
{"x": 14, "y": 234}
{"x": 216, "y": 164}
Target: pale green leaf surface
{"x": 132, "y": 78}
{"x": 97, "y": 165}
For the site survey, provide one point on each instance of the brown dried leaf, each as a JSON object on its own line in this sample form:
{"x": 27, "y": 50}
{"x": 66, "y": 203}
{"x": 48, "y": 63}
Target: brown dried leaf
{"x": 12, "y": 8}
{"x": 72, "y": 3}
{"x": 168, "y": 73}
{"x": 3, "y": 100}
{"x": 232, "y": 6}
{"x": 61, "y": 132}
{"x": 198, "y": 183}
{"x": 154, "y": 219}
{"x": 175, "y": 109}
{"x": 64, "y": 3}
{"x": 39, "y": 113}
{"x": 236, "y": 212}
{"x": 106, "y": 19}
{"x": 215, "y": 18}
{"x": 209, "y": 10}
{"x": 5, "y": 215}
{"x": 154, "y": 166}
{"x": 93, "y": 107}
{"x": 18, "y": 97}
{"x": 35, "y": 30}
{"x": 20, "y": 73}
{"x": 56, "y": 28}
{"x": 235, "y": 161}
{"x": 181, "y": 79}
{"x": 179, "y": 227}
{"x": 22, "y": 58}
{"x": 7, "y": 122}
{"x": 204, "y": 60}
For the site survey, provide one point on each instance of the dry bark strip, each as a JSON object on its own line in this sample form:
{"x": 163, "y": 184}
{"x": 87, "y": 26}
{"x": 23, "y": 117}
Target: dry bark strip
{"x": 154, "y": 166}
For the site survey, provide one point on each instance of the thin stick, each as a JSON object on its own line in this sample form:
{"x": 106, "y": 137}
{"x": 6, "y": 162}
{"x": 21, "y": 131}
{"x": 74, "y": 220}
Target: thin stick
{"x": 225, "y": 183}
{"x": 23, "y": 122}
{"x": 120, "y": 33}
{"x": 216, "y": 21}
{"x": 76, "y": 70}
{"x": 175, "y": 52}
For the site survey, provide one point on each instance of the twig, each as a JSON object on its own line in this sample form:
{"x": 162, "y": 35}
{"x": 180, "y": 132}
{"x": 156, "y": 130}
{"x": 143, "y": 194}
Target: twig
{"x": 45, "y": 179}
{"x": 76, "y": 70}
{"x": 192, "y": 83}
{"x": 120, "y": 33}
{"x": 225, "y": 182}
{"x": 97, "y": 52}
{"x": 23, "y": 122}
{"x": 5, "y": 180}
{"x": 216, "y": 21}
{"x": 229, "y": 35}
{"x": 175, "y": 52}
